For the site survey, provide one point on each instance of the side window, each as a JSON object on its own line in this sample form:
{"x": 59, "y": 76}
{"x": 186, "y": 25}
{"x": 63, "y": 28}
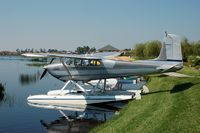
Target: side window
{"x": 95, "y": 63}
{"x": 77, "y": 62}
{"x": 69, "y": 61}
{"x": 85, "y": 62}
{"x": 98, "y": 63}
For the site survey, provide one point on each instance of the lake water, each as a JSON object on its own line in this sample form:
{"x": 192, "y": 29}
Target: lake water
{"x": 20, "y": 79}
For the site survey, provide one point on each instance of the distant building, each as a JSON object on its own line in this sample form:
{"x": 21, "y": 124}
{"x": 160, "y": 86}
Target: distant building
{"x": 108, "y": 48}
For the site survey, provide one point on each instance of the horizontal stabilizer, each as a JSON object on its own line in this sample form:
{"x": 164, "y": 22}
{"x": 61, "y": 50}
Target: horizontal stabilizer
{"x": 165, "y": 67}
{"x": 180, "y": 75}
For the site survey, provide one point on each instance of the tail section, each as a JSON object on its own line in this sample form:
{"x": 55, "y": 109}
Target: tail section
{"x": 171, "y": 49}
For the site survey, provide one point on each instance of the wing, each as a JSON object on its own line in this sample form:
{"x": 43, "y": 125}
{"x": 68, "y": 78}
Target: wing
{"x": 81, "y": 56}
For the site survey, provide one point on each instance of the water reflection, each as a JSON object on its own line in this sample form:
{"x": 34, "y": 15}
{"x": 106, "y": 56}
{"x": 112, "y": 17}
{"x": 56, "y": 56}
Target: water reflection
{"x": 39, "y": 59}
{"x": 37, "y": 64}
{"x": 5, "y": 98}
{"x": 77, "y": 118}
{"x": 2, "y": 92}
{"x": 26, "y": 79}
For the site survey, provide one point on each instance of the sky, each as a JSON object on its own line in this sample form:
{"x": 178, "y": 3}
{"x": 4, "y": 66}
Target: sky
{"x": 67, "y": 24}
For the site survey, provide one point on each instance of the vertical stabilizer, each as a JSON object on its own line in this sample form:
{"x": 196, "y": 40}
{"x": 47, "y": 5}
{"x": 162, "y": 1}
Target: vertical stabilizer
{"x": 171, "y": 49}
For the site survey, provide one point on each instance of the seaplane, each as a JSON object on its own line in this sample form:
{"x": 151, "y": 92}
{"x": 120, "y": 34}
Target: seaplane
{"x": 76, "y": 69}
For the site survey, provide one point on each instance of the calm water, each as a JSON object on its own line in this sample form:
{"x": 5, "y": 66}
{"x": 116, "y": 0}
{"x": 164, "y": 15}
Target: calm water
{"x": 21, "y": 80}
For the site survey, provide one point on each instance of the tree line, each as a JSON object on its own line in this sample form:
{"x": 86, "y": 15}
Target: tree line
{"x": 42, "y": 50}
{"x": 148, "y": 49}
{"x": 85, "y": 49}
{"x": 79, "y": 50}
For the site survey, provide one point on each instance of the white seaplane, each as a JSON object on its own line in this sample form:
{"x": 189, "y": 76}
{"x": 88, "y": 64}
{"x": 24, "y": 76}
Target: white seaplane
{"x": 73, "y": 69}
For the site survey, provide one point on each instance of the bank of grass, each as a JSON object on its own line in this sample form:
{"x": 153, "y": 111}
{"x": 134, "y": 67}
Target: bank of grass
{"x": 173, "y": 105}
{"x": 189, "y": 71}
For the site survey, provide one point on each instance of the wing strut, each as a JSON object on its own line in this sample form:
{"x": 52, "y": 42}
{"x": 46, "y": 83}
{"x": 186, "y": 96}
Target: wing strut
{"x": 104, "y": 86}
{"x": 66, "y": 68}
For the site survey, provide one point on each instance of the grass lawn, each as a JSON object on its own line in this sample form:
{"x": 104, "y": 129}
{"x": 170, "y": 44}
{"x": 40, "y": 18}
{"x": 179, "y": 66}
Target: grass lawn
{"x": 189, "y": 71}
{"x": 173, "y": 105}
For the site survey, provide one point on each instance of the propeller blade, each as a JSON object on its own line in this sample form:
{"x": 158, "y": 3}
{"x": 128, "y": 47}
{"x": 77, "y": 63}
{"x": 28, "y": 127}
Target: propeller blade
{"x": 51, "y": 60}
{"x": 45, "y": 71}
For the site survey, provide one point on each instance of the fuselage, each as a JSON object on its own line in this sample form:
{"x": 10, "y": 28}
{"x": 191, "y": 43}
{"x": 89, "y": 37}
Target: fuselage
{"x": 86, "y": 70}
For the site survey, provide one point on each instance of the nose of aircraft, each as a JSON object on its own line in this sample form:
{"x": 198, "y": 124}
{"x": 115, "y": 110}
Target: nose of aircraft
{"x": 50, "y": 69}
{"x": 52, "y": 66}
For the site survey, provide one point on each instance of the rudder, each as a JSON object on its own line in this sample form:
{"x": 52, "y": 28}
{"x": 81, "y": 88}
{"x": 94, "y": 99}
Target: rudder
{"x": 171, "y": 49}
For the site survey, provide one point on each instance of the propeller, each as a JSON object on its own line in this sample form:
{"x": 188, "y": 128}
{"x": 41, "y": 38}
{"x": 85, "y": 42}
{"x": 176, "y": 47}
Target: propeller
{"x": 51, "y": 60}
{"x": 45, "y": 71}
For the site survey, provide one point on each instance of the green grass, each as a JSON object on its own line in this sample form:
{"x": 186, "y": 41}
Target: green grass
{"x": 189, "y": 71}
{"x": 173, "y": 105}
